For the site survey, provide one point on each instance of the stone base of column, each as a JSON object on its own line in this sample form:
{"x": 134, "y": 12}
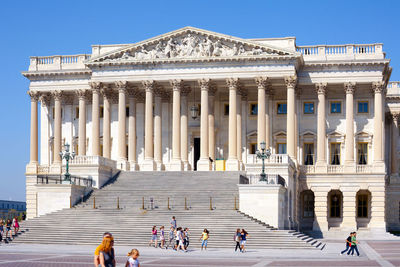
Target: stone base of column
{"x": 186, "y": 166}
{"x": 232, "y": 165}
{"x": 348, "y": 225}
{"x": 123, "y": 164}
{"x": 349, "y": 167}
{"x": 203, "y": 165}
{"x": 176, "y": 165}
{"x": 133, "y": 166}
{"x": 148, "y": 165}
{"x": 31, "y": 168}
{"x": 160, "y": 166}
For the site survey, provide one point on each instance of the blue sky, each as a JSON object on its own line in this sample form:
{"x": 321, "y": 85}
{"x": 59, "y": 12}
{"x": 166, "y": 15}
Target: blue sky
{"x": 40, "y": 28}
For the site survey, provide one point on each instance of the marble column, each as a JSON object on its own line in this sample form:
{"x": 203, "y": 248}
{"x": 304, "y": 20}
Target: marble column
{"x": 239, "y": 146}
{"x": 395, "y": 137}
{"x": 378, "y": 88}
{"x": 321, "y": 125}
{"x": 261, "y": 110}
{"x": 33, "y": 159}
{"x": 296, "y": 123}
{"x": 290, "y": 121}
{"x": 148, "y": 163}
{"x": 203, "y": 164}
{"x": 57, "y": 127}
{"x": 349, "y": 141}
{"x": 95, "y": 118}
{"x": 267, "y": 117}
{"x": 132, "y": 93}
{"x": 176, "y": 161}
{"x": 232, "y": 164}
{"x": 158, "y": 92}
{"x": 184, "y": 128}
{"x": 122, "y": 159}
{"x": 211, "y": 122}
{"x": 106, "y": 92}
{"x": 82, "y": 122}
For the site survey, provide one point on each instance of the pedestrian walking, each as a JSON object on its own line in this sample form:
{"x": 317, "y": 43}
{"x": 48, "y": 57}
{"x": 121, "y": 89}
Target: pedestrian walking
{"x": 153, "y": 236}
{"x": 15, "y": 225}
{"x": 96, "y": 259}
{"x": 348, "y": 243}
{"x": 173, "y": 222}
{"x": 204, "y": 239}
{"x": 243, "y": 238}
{"x": 171, "y": 237}
{"x": 162, "y": 237}
{"x": 236, "y": 238}
{"x": 107, "y": 253}
{"x": 186, "y": 238}
{"x": 1, "y": 230}
{"x": 133, "y": 259}
{"x": 8, "y": 229}
{"x": 180, "y": 236}
{"x": 354, "y": 243}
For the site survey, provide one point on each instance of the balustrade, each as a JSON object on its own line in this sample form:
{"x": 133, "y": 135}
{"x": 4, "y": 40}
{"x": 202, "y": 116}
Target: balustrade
{"x": 343, "y": 51}
{"x": 58, "y": 62}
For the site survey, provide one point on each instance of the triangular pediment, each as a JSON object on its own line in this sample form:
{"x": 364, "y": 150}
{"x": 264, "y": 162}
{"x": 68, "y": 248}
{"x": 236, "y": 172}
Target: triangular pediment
{"x": 191, "y": 44}
{"x": 335, "y": 134}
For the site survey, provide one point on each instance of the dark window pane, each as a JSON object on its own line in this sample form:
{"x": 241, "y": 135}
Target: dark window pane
{"x": 282, "y": 108}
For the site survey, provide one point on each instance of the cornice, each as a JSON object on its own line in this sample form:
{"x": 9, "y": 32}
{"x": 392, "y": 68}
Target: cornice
{"x": 346, "y": 63}
{"x": 29, "y": 74}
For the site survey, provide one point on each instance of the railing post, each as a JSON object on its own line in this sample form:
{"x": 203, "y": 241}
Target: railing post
{"x": 142, "y": 203}
{"x": 211, "y": 208}
{"x": 70, "y": 202}
{"x": 82, "y": 198}
{"x": 117, "y": 203}
{"x": 94, "y": 202}
{"x": 168, "y": 204}
{"x": 235, "y": 204}
{"x": 185, "y": 204}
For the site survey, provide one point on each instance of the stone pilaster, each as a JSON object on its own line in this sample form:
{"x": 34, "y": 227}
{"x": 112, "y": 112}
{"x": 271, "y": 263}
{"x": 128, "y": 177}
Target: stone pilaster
{"x": 395, "y": 137}
{"x": 106, "y": 92}
{"x": 232, "y": 164}
{"x": 321, "y": 126}
{"x": 148, "y": 163}
{"x": 262, "y": 83}
{"x": 57, "y": 127}
{"x": 378, "y": 88}
{"x": 33, "y": 159}
{"x": 377, "y": 221}
{"x": 176, "y": 162}
{"x": 132, "y": 94}
{"x": 349, "y": 222}
{"x": 290, "y": 121}
{"x": 158, "y": 94}
{"x": 211, "y": 122}
{"x": 81, "y": 93}
{"x": 349, "y": 141}
{"x": 184, "y": 127}
{"x": 320, "y": 209}
{"x": 203, "y": 164}
{"x": 96, "y": 86}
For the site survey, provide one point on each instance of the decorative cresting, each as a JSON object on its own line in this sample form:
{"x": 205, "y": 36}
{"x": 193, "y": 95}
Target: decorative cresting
{"x": 191, "y": 43}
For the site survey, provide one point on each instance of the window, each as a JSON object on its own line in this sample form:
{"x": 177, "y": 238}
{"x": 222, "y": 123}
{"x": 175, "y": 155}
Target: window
{"x": 127, "y": 151}
{"x": 126, "y": 111}
{"x": 335, "y": 206}
{"x": 363, "y": 107}
{"x": 101, "y": 150}
{"x": 362, "y": 206}
{"x": 281, "y": 148}
{"x": 77, "y": 113}
{"x": 362, "y": 153}
{"x": 308, "y": 205}
{"x": 308, "y": 107}
{"x": 253, "y": 148}
{"x": 101, "y": 112}
{"x": 226, "y": 109}
{"x": 308, "y": 154}
{"x": 253, "y": 109}
{"x": 335, "y": 154}
{"x": 336, "y": 107}
{"x": 282, "y": 108}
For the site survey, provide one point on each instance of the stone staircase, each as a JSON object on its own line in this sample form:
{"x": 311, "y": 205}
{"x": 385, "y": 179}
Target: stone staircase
{"x": 131, "y": 225}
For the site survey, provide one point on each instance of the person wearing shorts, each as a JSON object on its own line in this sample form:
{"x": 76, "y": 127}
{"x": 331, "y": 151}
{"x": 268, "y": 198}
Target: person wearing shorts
{"x": 243, "y": 237}
{"x": 1, "y": 230}
{"x": 162, "y": 237}
{"x": 8, "y": 229}
{"x": 153, "y": 236}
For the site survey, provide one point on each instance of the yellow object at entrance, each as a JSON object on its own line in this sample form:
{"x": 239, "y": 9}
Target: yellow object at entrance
{"x": 220, "y": 165}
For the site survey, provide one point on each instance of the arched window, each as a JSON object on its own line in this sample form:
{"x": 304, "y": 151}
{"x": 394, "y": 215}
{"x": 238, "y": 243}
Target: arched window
{"x": 362, "y": 206}
{"x": 308, "y": 204}
{"x": 335, "y": 206}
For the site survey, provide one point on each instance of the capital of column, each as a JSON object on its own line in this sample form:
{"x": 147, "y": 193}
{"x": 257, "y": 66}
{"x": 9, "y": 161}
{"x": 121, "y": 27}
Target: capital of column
{"x": 81, "y": 93}
{"x": 106, "y": 91}
{"x": 44, "y": 99}
{"x": 378, "y": 87}
{"x": 177, "y": 84}
{"x": 262, "y": 82}
{"x": 34, "y": 95}
{"x": 349, "y": 88}
{"x": 395, "y": 116}
{"x": 121, "y": 86}
{"x": 158, "y": 91}
{"x": 149, "y": 85}
{"x": 291, "y": 81}
{"x": 204, "y": 84}
{"x": 320, "y": 88}
{"x": 57, "y": 95}
{"x": 233, "y": 83}
{"x": 186, "y": 90}
{"x": 133, "y": 92}
{"x": 95, "y": 85}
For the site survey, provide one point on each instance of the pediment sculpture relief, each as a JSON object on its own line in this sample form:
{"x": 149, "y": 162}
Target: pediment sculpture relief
{"x": 191, "y": 46}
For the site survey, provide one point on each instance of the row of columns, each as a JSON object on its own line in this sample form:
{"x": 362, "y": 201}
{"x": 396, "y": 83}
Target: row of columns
{"x": 153, "y": 153}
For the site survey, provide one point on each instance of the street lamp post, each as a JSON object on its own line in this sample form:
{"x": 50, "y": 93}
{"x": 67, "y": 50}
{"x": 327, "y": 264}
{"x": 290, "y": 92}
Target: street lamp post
{"x": 67, "y": 156}
{"x": 263, "y": 155}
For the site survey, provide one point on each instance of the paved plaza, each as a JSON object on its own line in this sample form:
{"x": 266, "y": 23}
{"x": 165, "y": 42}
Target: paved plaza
{"x": 373, "y": 253}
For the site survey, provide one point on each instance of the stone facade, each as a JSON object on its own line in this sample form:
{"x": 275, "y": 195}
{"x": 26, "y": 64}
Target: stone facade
{"x": 327, "y": 112}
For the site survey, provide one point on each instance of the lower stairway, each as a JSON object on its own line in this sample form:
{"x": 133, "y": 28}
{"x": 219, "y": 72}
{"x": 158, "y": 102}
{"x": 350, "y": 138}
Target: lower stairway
{"x": 118, "y": 208}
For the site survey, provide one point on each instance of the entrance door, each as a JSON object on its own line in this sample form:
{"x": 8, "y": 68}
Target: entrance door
{"x": 196, "y": 151}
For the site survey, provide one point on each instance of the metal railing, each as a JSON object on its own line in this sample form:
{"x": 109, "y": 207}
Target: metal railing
{"x": 255, "y": 179}
{"x": 58, "y": 179}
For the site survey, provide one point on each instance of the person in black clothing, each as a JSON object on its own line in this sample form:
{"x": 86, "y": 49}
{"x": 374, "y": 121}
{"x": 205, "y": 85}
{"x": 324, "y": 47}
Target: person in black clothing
{"x": 348, "y": 243}
{"x": 237, "y": 238}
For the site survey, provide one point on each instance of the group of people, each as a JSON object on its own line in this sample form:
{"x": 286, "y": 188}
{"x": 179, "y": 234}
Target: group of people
{"x": 5, "y": 226}
{"x": 104, "y": 255}
{"x": 351, "y": 245}
{"x": 240, "y": 238}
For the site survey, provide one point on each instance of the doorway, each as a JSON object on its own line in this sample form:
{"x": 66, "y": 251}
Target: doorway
{"x": 196, "y": 143}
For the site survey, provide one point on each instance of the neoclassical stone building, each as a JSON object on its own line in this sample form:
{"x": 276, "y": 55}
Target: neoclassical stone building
{"x": 328, "y": 113}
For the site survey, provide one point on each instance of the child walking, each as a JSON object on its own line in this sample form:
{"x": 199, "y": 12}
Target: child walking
{"x": 133, "y": 259}
{"x": 153, "y": 236}
{"x": 204, "y": 237}
{"x": 171, "y": 238}
{"x": 162, "y": 237}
